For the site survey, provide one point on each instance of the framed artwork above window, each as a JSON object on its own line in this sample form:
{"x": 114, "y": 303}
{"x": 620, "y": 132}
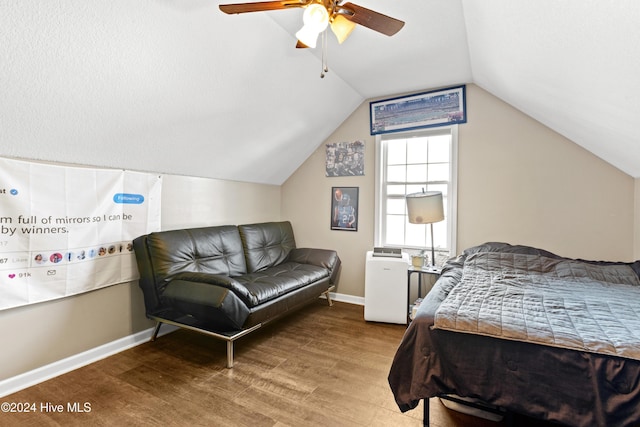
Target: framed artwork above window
{"x": 443, "y": 107}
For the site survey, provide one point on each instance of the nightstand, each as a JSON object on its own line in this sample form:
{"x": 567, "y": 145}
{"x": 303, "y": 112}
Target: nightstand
{"x": 434, "y": 271}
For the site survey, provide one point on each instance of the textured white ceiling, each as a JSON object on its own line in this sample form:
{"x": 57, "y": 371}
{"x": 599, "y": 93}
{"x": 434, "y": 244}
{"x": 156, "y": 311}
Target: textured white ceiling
{"x": 428, "y": 52}
{"x": 176, "y": 86}
{"x": 167, "y": 86}
{"x": 573, "y": 65}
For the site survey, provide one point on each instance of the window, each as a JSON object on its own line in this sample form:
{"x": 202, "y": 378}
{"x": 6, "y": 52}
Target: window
{"x": 408, "y": 163}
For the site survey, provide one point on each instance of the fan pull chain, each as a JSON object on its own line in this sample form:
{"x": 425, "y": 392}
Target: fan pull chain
{"x": 325, "y": 69}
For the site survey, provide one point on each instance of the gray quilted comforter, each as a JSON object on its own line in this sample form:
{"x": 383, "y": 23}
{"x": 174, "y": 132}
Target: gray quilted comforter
{"x": 557, "y": 302}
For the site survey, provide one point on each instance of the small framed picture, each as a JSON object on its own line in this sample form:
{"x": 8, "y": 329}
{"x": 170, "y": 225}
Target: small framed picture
{"x": 345, "y": 159}
{"x": 344, "y": 208}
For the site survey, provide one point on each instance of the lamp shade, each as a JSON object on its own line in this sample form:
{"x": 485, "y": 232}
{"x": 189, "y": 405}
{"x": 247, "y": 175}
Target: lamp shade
{"x": 342, "y": 27}
{"x": 425, "y": 207}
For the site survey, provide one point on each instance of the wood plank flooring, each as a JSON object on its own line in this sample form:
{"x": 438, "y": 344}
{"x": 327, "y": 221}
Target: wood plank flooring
{"x": 321, "y": 366}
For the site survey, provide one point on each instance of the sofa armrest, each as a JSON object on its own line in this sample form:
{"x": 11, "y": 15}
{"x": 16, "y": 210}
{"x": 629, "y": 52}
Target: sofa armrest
{"x": 222, "y": 281}
{"x": 324, "y": 258}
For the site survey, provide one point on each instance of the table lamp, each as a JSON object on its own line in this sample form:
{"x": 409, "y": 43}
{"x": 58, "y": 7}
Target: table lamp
{"x": 426, "y": 208}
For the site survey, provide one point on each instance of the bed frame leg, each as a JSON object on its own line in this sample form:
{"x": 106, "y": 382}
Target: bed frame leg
{"x": 425, "y": 413}
{"x": 508, "y": 419}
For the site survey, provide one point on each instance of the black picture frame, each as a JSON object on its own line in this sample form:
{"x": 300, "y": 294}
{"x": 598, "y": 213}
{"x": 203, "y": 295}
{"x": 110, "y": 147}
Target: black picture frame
{"x": 344, "y": 208}
{"x": 442, "y": 107}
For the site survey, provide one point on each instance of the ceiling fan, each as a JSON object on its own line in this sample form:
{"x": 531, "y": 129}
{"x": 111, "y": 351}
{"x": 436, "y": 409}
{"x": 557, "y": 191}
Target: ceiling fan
{"x": 318, "y": 14}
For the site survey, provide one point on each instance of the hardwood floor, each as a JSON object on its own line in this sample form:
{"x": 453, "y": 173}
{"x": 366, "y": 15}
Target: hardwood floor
{"x": 322, "y": 366}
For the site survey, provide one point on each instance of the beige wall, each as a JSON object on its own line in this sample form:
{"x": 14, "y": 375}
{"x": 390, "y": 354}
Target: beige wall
{"x": 39, "y": 334}
{"x": 518, "y": 182}
{"x": 306, "y": 202}
{"x": 636, "y": 220}
{"x": 198, "y": 202}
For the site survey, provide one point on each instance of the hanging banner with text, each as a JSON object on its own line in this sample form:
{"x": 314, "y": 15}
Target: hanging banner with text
{"x": 67, "y": 230}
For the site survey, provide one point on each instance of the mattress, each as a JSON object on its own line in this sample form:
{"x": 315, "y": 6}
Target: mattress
{"x": 578, "y": 382}
{"x": 553, "y": 301}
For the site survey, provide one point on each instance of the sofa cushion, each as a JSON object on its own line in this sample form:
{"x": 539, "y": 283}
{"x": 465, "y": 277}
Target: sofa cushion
{"x": 266, "y": 244}
{"x": 268, "y": 284}
{"x": 207, "y": 303}
{"x": 213, "y": 250}
{"x": 320, "y": 257}
{"x": 218, "y": 280}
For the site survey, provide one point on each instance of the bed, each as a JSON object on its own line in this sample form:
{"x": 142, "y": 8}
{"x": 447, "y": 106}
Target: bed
{"x": 525, "y": 331}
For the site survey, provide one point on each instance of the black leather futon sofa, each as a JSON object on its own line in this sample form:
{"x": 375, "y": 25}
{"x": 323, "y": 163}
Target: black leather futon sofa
{"x": 227, "y": 281}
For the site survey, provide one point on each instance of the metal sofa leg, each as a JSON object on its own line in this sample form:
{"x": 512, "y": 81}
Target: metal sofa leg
{"x": 326, "y": 294}
{"x": 228, "y": 337}
{"x": 230, "y": 354}
{"x": 155, "y": 331}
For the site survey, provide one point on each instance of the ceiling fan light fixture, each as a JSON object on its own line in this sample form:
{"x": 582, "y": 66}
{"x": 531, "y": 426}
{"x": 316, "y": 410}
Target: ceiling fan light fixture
{"x": 316, "y": 16}
{"x": 307, "y": 36}
{"x": 316, "y": 20}
{"x": 342, "y": 27}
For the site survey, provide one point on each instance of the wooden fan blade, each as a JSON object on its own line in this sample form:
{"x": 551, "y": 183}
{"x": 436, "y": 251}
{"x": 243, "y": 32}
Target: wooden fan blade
{"x": 261, "y": 6}
{"x": 371, "y": 19}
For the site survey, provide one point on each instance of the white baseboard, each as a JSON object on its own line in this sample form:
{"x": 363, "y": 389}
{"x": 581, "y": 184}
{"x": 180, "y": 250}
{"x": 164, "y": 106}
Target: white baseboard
{"x": 350, "y": 299}
{"x": 44, "y": 373}
{"x": 52, "y": 370}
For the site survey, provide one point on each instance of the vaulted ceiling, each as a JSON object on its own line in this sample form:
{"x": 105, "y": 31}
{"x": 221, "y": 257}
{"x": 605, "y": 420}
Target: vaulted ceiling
{"x": 176, "y": 86}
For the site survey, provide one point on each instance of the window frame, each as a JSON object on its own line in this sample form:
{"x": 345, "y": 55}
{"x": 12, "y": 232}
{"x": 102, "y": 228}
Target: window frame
{"x": 452, "y": 190}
